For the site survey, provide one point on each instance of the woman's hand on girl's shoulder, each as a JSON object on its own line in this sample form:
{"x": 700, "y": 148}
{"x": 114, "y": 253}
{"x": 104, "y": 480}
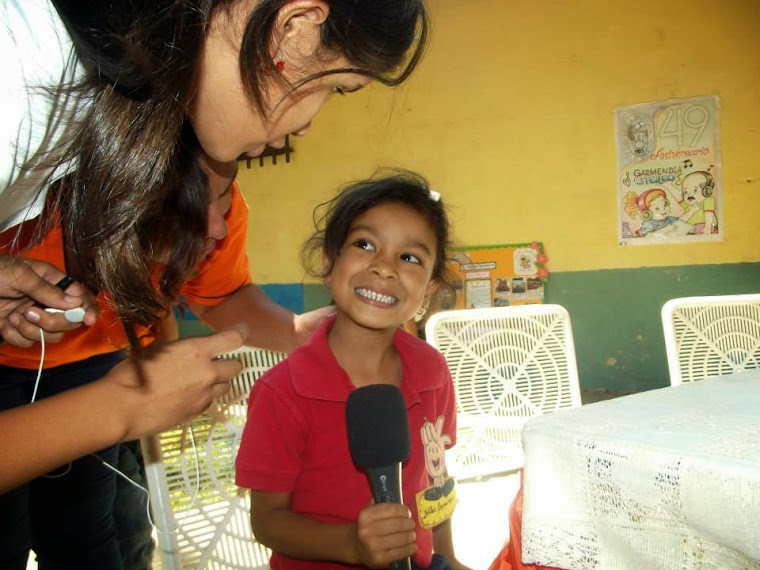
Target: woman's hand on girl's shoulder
{"x": 307, "y": 323}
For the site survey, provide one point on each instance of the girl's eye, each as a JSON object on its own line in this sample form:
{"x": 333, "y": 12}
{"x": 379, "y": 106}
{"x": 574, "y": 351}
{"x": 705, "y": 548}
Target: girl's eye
{"x": 339, "y": 90}
{"x": 364, "y": 244}
{"x": 411, "y": 258}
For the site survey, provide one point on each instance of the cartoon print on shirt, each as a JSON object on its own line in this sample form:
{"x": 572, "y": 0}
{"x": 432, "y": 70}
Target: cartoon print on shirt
{"x": 434, "y": 442}
{"x": 436, "y": 503}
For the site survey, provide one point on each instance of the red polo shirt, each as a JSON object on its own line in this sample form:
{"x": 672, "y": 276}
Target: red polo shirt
{"x": 295, "y": 440}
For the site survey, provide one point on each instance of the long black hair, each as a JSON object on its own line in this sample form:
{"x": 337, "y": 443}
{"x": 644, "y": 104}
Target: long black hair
{"x": 128, "y": 201}
{"x": 333, "y": 219}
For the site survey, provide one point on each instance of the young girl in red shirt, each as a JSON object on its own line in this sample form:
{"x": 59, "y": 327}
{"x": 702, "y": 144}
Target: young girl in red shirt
{"x": 383, "y": 251}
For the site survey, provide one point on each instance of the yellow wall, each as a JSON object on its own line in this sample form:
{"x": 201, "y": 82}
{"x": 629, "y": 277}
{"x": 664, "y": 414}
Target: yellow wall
{"x": 510, "y": 118}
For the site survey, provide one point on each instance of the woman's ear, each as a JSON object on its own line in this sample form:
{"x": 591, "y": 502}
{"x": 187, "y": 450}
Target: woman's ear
{"x": 297, "y": 27}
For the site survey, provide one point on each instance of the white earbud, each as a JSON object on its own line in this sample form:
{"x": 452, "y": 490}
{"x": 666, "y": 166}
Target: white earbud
{"x": 75, "y": 315}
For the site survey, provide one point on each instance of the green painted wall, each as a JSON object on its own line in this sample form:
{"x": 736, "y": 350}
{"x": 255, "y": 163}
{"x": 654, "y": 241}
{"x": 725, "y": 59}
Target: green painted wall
{"x": 616, "y": 320}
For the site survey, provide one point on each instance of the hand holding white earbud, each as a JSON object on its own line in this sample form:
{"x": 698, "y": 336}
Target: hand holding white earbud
{"x": 27, "y": 288}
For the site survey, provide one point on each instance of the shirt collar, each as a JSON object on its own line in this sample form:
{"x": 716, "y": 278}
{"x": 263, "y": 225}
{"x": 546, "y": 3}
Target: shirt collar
{"x": 317, "y": 374}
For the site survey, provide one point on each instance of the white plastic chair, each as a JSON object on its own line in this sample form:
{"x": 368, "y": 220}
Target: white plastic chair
{"x": 508, "y": 365}
{"x": 711, "y": 336}
{"x": 201, "y": 516}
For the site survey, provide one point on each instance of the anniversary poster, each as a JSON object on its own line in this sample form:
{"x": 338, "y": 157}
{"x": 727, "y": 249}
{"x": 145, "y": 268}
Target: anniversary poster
{"x": 668, "y": 164}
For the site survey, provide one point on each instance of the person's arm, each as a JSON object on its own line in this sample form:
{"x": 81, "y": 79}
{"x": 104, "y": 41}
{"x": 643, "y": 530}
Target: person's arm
{"x": 26, "y": 281}
{"x": 383, "y": 534}
{"x": 270, "y": 326}
{"x": 169, "y": 385}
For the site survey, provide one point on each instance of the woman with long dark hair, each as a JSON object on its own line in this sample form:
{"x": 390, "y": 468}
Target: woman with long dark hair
{"x": 104, "y": 105}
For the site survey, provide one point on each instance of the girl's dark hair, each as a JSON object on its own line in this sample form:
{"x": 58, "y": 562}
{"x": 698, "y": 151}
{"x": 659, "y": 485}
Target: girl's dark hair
{"x": 333, "y": 219}
{"x": 129, "y": 201}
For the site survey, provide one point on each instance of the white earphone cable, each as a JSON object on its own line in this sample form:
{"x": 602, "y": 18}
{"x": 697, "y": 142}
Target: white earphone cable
{"x": 114, "y": 469}
{"x": 42, "y": 360}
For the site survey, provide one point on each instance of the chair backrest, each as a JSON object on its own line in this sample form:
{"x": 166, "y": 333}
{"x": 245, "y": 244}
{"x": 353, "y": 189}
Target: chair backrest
{"x": 711, "y": 336}
{"x": 201, "y": 516}
{"x": 508, "y": 364}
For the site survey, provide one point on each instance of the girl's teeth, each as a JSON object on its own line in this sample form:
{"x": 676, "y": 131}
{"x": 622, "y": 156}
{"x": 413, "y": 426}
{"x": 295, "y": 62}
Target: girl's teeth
{"x": 376, "y": 296}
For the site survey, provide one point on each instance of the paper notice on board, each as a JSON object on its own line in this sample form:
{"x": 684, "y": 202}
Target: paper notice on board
{"x": 477, "y": 293}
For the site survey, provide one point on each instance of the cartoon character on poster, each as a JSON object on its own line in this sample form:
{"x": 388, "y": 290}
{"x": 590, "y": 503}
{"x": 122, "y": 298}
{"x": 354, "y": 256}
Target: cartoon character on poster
{"x": 669, "y": 165}
{"x": 524, "y": 261}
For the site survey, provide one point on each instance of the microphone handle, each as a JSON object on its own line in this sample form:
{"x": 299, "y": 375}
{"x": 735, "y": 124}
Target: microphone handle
{"x": 386, "y": 483}
{"x": 386, "y": 488}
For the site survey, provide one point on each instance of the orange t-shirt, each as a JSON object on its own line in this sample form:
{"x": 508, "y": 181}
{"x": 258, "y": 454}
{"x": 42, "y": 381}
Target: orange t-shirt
{"x": 222, "y": 273}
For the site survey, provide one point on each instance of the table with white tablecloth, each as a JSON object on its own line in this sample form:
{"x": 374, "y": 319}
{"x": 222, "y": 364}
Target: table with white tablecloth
{"x": 665, "y": 479}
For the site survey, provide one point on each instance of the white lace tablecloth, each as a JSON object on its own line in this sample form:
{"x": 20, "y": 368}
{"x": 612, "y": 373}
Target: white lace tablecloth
{"x": 666, "y": 479}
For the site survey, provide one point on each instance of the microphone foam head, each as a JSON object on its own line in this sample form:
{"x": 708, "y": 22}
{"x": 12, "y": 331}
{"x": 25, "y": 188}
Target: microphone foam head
{"x": 378, "y": 428}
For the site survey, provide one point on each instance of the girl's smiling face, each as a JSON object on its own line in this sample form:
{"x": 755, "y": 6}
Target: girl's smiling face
{"x": 383, "y": 272}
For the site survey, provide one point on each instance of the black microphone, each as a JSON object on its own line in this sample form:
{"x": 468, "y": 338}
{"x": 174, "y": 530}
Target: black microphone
{"x": 378, "y": 437}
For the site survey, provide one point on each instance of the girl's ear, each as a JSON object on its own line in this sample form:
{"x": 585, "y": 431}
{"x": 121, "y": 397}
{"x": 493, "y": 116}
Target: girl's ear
{"x": 326, "y": 267}
{"x": 432, "y": 287}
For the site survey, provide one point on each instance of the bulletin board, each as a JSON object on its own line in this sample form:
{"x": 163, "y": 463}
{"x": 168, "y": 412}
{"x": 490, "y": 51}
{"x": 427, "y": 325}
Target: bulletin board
{"x": 496, "y": 276}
